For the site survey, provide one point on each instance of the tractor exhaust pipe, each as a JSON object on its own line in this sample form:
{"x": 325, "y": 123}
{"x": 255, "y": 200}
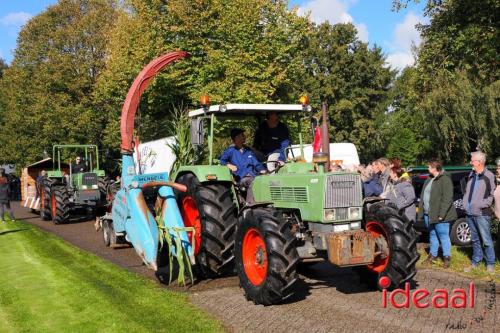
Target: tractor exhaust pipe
{"x": 322, "y": 159}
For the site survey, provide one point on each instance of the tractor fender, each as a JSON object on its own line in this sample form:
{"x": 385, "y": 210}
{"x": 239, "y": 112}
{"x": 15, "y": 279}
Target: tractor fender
{"x": 206, "y": 173}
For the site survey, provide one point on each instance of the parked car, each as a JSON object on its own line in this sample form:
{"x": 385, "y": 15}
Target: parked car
{"x": 459, "y": 230}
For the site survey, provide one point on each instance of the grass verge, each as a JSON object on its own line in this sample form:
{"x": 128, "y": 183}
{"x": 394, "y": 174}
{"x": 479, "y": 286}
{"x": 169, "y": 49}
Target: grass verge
{"x": 460, "y": 258}
{"x": 48, "y": 285}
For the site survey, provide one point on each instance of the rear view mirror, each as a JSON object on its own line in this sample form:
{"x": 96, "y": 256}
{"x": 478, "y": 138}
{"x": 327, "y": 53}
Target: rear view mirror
{"x": 197, "y": 131}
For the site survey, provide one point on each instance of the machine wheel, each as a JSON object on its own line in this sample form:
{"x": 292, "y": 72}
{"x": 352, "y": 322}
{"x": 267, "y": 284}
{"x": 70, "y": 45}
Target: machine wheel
{"x": 102, "y": 183}
{"x": 396, "y": 238}
{"x": 266, "y": 257}
{"x": 210, "y": 209}
{"x": 59, "y": 204}
{"x": 460, "y": 233}
{"x": 45, "y": 195}
{"x": 108, "y": 233}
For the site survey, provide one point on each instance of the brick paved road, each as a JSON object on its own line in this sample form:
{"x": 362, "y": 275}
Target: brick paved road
{"x": 329, "y": 299}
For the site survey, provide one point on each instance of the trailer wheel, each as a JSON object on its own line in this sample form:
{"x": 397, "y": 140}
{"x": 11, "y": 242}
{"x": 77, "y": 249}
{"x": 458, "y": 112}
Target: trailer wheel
{"x": 108, "y": 233}
{"x": 45, "y": 196}
{"x": 210, "y": 209}
{"x": 397, "y": 242}
{"x": 59, "y": 204}
{"x": 266, "y": 257}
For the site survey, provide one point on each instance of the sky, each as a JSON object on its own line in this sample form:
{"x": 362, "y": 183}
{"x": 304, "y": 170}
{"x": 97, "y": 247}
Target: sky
{"x": 394, "y": 32}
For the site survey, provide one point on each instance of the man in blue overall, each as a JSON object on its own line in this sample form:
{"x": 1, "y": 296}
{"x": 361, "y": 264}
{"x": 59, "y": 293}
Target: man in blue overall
{"x": 242, "y": 162}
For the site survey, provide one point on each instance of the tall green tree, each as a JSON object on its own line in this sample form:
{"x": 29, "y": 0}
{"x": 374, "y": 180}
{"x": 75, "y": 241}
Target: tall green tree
{"x": 49, "y": 87}
{"x": 241, "y": 51}
{"x": 355, "y": 82}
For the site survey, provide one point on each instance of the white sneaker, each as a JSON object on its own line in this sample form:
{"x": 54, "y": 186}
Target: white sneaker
{"x": 490, "y": 269}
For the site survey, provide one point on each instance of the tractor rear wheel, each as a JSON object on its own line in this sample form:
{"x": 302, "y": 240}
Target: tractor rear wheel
{"x": 45, "y": 195}
{"x": 266, "y": 256}
{"x": 397, "y": 244}
{"x": 59, "y": 203}
{"x": 102, "y": 183}
{"x": 210, "y": 210}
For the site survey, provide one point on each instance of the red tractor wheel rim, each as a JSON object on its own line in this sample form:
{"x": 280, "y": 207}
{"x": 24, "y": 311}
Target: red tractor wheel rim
{"x": 191, "y": 217}
{"x": 377, "y": 230}
{"x": 254, "y": 257}
{"x": 53, "y": 203}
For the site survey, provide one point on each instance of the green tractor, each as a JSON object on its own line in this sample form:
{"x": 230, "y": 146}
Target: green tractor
{"x": 303, "y": 213}
{"x": 68, "y": 190}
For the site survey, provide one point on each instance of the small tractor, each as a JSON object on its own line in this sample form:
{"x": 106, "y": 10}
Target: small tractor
{"x": 64, "y": 193}
{"x": 303, "y": 211}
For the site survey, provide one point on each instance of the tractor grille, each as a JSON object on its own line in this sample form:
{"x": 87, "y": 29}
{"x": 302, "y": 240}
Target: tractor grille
{"x": 292, "y": 194}
{"x": 89, "y": 179}
{"x": 343, "y": 191}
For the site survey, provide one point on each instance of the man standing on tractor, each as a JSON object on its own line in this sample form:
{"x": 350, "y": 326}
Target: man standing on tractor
{"x": 242, "y": 162}
{"x": 272, "y": 136}
{"x": 79, "y": 166}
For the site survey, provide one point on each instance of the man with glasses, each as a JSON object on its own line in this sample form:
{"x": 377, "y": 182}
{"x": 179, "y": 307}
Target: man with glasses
{"x": 477, "y": 201}
{"x": 79, "y": 166}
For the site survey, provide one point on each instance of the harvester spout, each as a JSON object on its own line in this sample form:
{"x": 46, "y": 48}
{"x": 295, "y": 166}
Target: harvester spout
{"x": 140, "y": 84}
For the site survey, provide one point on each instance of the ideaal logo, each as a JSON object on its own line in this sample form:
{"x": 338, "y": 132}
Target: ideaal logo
{"x": 422, "y": 298}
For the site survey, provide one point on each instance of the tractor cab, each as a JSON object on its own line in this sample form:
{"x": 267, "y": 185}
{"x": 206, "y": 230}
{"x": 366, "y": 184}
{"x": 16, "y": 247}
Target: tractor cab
{"x": 80, "y": 186}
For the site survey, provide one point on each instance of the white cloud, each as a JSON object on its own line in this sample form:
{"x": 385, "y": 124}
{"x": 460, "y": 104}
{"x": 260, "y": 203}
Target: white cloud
{"x": 400, "y": 60}
{"x": 15, "y": 19}
{"x": 333, "y": 11}
{"x": 405, "y": 35}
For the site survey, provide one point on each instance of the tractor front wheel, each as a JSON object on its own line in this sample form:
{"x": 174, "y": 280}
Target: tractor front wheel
{"x": 210, "y": 210}
{"x": 266, "y": 257}
{"x": 59, "y": 204}
{"x": 396, "y": 243}
{"x": 45, "y": 196}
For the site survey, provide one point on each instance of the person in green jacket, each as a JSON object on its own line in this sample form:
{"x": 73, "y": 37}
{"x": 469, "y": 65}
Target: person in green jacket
{"x": 437, "y": 209}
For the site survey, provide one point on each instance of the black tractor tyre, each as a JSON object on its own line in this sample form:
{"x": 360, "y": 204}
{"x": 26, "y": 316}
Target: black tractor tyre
{"x": 102, "y": 184}
{"x": 401, "y": 240}
{"x": 218, "y": 216}
{"x": 460, "y": 233}
{"x": 266, "y": 256}
{"x": 60, "y": 205}
{"x": 45, "y": 196}
{"x": 108, "y": 233}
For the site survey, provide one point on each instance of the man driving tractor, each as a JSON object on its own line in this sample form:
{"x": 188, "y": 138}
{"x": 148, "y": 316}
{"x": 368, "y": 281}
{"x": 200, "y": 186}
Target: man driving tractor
{"x": 242, "y": 162}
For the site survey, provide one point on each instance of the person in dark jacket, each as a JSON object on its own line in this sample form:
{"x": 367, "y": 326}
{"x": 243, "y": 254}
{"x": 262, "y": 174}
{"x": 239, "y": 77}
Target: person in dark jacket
{"x": 242, "y": 162}
{"x": 79, "y": 166}
{"x": 5, "y": 194}
{"x": 477, "y": 202}
{"x": 272, "y": 136}
{"x": 437, "y": 209}
{"x": 402, "y": 193}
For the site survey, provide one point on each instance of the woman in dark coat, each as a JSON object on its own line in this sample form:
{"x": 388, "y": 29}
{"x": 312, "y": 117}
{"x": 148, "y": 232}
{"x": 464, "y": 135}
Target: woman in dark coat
{"x": 5, "y": 196}
{"x": 437, "y": 210}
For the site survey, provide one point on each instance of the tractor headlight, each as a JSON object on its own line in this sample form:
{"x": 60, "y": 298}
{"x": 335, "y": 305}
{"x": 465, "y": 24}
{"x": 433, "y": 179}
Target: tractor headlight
{"x": 95, "y": 187}
{"x": 223, "y": 108}
{"x": 84, "y": 187}
{"x": 329, "y": 214}
{"x": 354, "y": 213}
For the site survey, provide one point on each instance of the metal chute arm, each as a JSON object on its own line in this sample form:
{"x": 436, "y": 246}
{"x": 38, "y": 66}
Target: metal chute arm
{"x": 134, "y": 94}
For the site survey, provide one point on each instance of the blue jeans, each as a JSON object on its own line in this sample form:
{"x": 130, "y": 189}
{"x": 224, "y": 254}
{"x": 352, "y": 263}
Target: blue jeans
{"x": 480, "y": 233}
{"x": 439, "y": 232}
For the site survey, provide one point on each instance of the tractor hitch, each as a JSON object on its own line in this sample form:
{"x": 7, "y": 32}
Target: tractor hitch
{"x": 351, "y": 248}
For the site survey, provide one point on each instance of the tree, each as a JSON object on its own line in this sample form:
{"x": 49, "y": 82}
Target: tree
{"x": 49, "y": 87}
{"x": 355, "y": 82}
{"x": 241, "y": 51}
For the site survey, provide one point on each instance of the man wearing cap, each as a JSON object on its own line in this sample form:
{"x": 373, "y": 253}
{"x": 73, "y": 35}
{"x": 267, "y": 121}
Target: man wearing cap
{"x": 242, "y": 162}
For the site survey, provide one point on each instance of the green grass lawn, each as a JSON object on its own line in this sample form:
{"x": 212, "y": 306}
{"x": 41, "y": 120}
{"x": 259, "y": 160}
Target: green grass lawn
{"x": 460, "y": 258}
{"x": 47, "y": 285}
